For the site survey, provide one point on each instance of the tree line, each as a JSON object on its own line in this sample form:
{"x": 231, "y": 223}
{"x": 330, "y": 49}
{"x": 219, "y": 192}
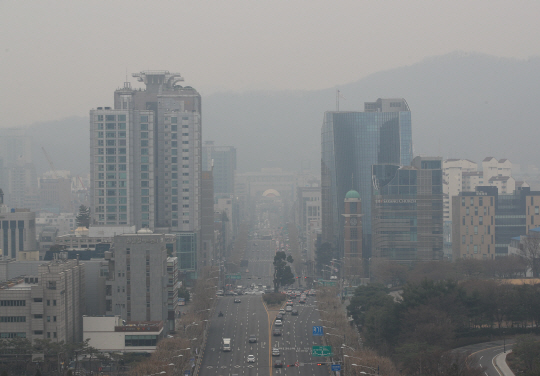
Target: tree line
{"x": 431, "y": 317}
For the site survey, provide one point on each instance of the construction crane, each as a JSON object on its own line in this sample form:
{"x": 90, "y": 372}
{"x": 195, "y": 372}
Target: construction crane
{"x": 50, "y": 163}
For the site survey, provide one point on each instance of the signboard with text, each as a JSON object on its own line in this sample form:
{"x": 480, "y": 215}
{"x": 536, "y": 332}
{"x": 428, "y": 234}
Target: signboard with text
{"x": 321, "y": 351}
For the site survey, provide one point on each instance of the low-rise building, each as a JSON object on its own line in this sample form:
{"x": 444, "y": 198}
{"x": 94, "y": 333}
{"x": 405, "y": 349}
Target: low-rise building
{"x": 48, "y": 305}
{"x": 17, "y": 233}
{"x": 112, "y": 334}
{"x": 485, "y": 221}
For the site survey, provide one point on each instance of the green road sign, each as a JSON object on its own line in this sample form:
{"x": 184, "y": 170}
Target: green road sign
{"x": 321, "y": 351}
{"x": 234, "y": 276}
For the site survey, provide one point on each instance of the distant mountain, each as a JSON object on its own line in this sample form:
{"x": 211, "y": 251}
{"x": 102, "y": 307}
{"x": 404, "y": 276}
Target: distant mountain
{"x": 463, "y": 105}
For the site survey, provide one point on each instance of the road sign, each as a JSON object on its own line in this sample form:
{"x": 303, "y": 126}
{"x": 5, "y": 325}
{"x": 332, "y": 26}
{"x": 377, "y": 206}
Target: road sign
{"x": 187, "y": 372}
{"x": 233, "y": 276}
{"x": 321, "y": 351}
{"x": 336, "y": 367}
{"x": 297, "y": 364}
{"x": 318, "y": 331}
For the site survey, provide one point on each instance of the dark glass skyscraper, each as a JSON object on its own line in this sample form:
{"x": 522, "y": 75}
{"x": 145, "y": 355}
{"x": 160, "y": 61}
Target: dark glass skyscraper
{"x": 351, "y": 143}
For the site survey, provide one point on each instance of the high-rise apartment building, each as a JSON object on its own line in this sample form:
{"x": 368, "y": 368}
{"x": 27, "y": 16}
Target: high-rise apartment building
{"x": 407, "y": 211}
{"x": 351, "y": 143}
{"x": 146, "y": 156}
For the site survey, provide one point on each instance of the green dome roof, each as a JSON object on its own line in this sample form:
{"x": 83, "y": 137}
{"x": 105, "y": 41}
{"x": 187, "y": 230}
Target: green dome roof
{"x": 352, "y": 194}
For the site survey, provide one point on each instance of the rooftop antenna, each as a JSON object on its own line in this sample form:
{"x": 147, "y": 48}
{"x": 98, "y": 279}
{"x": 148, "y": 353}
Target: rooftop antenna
{"x": 338, "y": 97}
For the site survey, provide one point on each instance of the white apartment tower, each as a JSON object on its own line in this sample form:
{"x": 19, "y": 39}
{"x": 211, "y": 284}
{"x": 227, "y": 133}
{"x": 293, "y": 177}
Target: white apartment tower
{"x": 146, "y": 156}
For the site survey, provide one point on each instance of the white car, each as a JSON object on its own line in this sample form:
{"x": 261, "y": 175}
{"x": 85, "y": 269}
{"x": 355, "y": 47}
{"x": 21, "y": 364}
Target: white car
{"x": 251, "y": 359}
{"x": 279, "y": 323}
{"x": 282, "y": 311}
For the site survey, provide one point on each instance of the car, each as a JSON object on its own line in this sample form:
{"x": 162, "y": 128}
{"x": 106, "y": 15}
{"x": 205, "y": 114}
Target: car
{"x": 252, "y": 338}
{"x": 279, "y": 316}
{"x": 237, "y": 300}
{"x": 282, "y": 311}
{"x": 276, "y": 332}
{"x": 288, "y": 308}
{"x": 294, "y": 312}
{"x": 219, "y": 293}
{"x": 278, "y": 364}
{"x": 279, "y": 323}
{"x": 251, "y": 359}
{"x": 275, "y": 351}
{"x": 289, "y": 303}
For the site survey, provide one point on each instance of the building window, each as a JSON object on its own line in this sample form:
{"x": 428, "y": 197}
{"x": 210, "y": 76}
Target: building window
{"x": 475, "y": 230}
{"x": 462, "y": 239}
{"x": 463, "y": 201}
{"x": 467, "y": 211}
{"x": 475, "y": 249}
{"x": 471, "y": 239}
{"x": 536, "y": 210}
{"x": 480, "y": 201}
{"x": 476, "y": 210}
{"x": 480, "y": 220}
{"x": 472, "y": 201}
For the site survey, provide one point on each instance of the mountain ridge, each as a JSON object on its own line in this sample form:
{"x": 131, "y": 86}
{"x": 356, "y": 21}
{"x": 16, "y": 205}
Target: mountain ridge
{"x": 464, "y": 105}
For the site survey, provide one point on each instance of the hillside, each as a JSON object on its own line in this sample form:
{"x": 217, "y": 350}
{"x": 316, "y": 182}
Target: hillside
{"x": 463, "y": 105}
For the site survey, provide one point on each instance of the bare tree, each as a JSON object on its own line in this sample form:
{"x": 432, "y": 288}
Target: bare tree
{"x": 531, "y": 253}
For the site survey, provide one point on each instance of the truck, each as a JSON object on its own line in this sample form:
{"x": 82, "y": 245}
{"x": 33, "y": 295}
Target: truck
{"x": 226, "y": 345}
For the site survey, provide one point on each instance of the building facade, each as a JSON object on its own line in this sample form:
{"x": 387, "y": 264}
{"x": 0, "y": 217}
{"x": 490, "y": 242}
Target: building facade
{"x": 351, "y": 143}
{"x": 352, "y": 235}
{"x": 146, "y": 156}
{"x": 112, "y": 334}
{"x": 485, "y": 221}
{"x": 221, "y": 160}
{"x": 137, "y": 280}
{"x": 407, "y": 213}
{"x": 49, "y": 305}
{"x": 207, "y": 219}
{"x": 17, "y": 233}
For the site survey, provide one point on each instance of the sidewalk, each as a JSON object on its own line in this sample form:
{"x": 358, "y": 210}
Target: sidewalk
{"x": 501, "y": 366}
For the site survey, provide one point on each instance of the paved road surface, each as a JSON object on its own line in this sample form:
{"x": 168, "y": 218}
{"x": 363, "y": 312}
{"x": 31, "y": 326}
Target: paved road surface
{"x": 250, "y": 317}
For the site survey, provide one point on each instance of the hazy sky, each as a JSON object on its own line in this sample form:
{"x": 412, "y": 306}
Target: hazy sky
{"x": 61, "y": 58}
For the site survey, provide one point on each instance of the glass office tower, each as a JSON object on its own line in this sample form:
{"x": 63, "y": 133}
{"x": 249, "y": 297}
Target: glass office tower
{"x": 351, "y": 143}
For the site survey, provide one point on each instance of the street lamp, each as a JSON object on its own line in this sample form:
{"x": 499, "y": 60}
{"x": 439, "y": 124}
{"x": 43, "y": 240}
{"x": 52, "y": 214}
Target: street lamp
{"x": 354, "y": 357}
{"x": 349, "y": 347}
